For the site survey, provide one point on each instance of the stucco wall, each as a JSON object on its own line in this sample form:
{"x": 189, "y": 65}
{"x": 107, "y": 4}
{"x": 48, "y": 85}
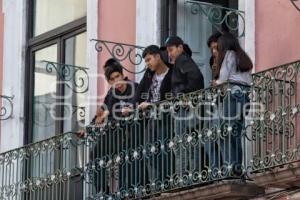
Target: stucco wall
{"x": 116, "y": 22}
{"x": 277, "y": 33}
{"x": 1, "y": 53}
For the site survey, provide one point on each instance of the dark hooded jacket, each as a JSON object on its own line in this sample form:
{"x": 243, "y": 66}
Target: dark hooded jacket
{"x": 143, "y": 90}
{"x": 186, "y": 76}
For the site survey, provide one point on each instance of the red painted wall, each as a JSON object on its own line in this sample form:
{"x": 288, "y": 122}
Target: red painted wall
{"x": 117, "y": 22}
{"x": 277, "y": 33}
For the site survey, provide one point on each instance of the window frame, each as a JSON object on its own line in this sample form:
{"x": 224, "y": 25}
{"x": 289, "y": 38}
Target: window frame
{"x": 169, "y": 17}
{"x": 56, "y": 36}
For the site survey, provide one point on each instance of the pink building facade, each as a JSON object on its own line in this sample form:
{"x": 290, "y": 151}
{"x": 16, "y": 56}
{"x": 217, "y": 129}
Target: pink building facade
{"x": 268, "y": 29}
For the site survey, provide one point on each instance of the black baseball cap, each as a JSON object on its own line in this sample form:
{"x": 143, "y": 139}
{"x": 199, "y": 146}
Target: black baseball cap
{"x": 173, "y": 41}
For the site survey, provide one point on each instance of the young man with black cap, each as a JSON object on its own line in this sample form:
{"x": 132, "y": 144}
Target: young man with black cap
{"x": 186, "y": 78}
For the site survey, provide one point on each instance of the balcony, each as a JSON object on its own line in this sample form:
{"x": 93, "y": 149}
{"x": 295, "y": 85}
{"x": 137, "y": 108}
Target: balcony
{"x": 184, "y": 148}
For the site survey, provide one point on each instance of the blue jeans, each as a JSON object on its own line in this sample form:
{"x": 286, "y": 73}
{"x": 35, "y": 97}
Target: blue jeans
{"x": 158, "y": 159}
{"x": 229, "y": 129}
{"x": 187, "y": 154}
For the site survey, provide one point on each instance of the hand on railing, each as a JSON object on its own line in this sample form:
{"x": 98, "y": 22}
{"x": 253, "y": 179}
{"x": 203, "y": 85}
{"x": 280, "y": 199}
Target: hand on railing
{"x": 126, "y": 111}
{"x": 144, "y": 105}
{"x": 213, "y": 83}
{"x": 99, "y": 120}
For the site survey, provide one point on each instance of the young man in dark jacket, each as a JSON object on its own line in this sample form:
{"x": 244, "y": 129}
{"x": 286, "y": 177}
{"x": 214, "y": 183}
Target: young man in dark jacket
{"x": 120, "y": 95}
{"x": 156, "y": 83}
{"x": 153, "y": 88}
{"x": 186, "y": 78}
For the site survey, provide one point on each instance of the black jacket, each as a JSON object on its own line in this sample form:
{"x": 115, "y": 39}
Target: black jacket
{"x": 143, "y": 90}
{"x": 186, "y": 76}
{"x": 114, "y": 98}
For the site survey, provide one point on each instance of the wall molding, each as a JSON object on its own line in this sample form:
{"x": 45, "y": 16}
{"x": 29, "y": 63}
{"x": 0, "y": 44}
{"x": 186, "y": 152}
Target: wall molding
{"x": 249, "y": 40}
{"x": 91, "y": 59}
{"x": 14, "y": 48}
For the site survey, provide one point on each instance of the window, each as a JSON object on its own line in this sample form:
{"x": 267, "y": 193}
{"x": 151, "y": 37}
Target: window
{"x": 56, "y": 60}
{"x": 55, "y": 95}
{"x": 48, "y": 15}
{"x": 194, "y": 21}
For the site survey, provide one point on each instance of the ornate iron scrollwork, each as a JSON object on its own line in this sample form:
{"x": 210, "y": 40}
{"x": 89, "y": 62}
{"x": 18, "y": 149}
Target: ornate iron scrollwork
{"x": 43, "y": 173}
{"x": 233, "y": 19}
{"x": 6, "y": 107}
{"x": 276, "y": 90}
{"x": 122, "y": 52}
{"x": 74, "y": 77}
{"x": 297, "y": 6}
{"x": 48, "y": 109}
{"x": 79, "y": 110}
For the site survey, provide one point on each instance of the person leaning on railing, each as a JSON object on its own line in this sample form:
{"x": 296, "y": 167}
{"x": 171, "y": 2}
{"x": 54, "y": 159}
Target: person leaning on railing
{"x": 235, "y": 69}
{"x": 120, "y": 95}
{"x": 154, "y": 87}
{"x": 186, "y": 77}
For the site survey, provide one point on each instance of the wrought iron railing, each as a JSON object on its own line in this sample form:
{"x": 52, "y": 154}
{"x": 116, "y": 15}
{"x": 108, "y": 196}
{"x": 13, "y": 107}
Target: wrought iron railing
{"x": 233, "y": 20}
{"x": 176, "y": 144}
{"x": 43, "y": 170}
{"x": 173, "y": 145}
{"x": 6, "y": 107}
{"x": 185, "y": 142}
{"x": 276, "y": 133}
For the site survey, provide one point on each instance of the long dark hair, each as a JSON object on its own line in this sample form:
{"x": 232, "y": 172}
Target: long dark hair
{"x": 228, "y": 42}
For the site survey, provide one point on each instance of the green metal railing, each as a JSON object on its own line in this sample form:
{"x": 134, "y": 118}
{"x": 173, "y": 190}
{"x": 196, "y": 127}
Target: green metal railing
{"x": 184, "y": 143}
{"x": 43, "y": 170}
{"x": 221, "y": 18}
{"x": 275, "y": 132}
{"x": 173, "y": 145}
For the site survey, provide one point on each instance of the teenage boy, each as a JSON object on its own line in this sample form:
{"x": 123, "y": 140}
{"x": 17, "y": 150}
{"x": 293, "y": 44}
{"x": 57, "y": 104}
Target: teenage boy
{"x": 120, "y": 95}
{"x": 154, "y": 87}
{"x": 186, "y": 78}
